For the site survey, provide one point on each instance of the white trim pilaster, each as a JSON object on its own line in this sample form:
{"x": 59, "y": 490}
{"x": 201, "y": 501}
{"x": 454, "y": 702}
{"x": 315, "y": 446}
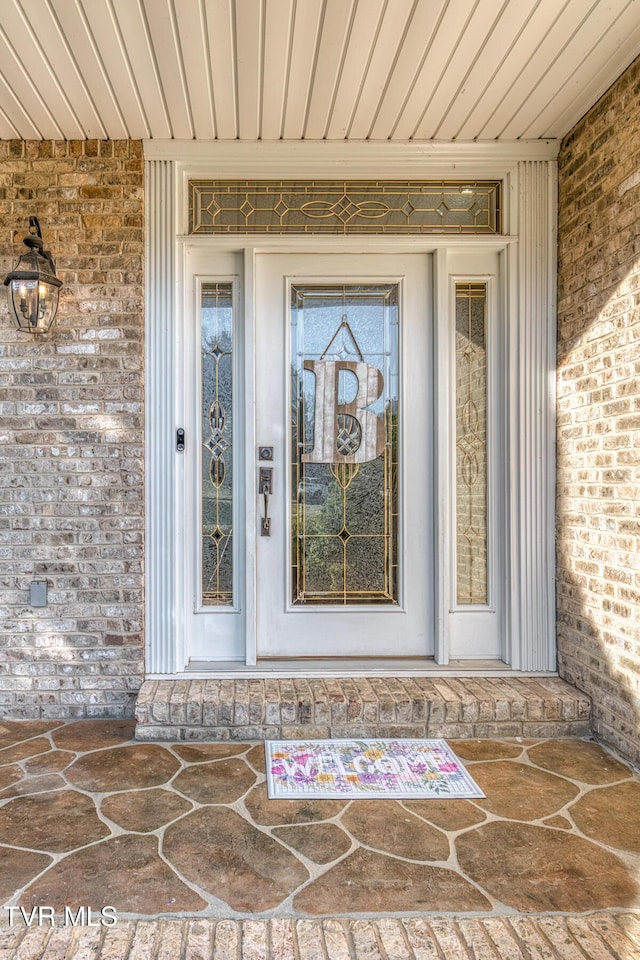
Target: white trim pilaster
{"x": 532, "y": 423}
{"x": 160, "y": 578}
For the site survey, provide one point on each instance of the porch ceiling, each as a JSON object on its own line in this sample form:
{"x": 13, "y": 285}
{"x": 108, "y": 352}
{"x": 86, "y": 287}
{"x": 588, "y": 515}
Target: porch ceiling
{"x": 308, "y": 69}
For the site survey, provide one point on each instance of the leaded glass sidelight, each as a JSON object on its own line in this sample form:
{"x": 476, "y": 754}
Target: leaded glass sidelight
{"x": 217, "y": 443}
{"x": 471, "y": 444}
{"x": 344, "y": 441}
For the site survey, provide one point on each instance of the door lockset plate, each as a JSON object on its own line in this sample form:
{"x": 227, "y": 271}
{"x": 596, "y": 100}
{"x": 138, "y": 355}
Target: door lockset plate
{"x": 265, "y": 480}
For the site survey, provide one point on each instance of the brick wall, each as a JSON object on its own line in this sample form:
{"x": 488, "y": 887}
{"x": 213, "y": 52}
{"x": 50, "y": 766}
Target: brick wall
{"x": 71, "y": 429}
{"x": 599, "y": 412}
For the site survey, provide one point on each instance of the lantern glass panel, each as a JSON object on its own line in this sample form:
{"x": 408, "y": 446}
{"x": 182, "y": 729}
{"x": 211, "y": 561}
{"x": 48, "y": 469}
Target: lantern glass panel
{"x": 33, "y": 304}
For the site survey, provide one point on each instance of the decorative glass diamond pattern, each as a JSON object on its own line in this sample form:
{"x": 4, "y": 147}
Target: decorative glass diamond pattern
{"x": 217, "y": 444}
{"x": 344, "y": 206}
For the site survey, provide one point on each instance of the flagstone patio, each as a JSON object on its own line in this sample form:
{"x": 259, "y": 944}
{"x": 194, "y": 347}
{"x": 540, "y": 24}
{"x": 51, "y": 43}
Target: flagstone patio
{"x": 91, "y": 818}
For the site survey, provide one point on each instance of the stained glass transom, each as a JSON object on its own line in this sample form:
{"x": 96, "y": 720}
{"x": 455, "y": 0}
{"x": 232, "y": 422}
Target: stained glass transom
{"x": 217, "y": 443}
{"x": 344, "y": 206}
{"x": 471, "y": 444}
{"x": 344, "y": 441}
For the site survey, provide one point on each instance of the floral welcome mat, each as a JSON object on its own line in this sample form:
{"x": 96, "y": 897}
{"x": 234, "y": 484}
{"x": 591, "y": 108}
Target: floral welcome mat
{"x": 326, "y": 769}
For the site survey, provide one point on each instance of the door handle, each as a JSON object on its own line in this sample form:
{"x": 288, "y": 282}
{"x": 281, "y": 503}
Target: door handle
{"x": 265, "y": 487}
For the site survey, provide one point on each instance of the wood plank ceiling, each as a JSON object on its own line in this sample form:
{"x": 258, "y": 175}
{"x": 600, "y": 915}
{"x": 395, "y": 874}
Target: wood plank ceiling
{"x": 308, "y": 69}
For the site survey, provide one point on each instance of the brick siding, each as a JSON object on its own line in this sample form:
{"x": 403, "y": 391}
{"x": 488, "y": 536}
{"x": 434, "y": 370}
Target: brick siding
{"x": 598, "y": 577}
{"x": 71, "y": 429}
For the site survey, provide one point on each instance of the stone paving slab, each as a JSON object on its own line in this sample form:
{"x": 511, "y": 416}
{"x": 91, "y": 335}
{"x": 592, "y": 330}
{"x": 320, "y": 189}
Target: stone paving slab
{"x": 89, "y": 816}
{"x": 279, "y": 709}
{"x": 606, "y": 936}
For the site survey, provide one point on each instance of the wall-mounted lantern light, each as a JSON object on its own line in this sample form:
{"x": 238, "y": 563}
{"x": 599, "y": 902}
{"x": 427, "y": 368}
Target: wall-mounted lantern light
{"x": 33, "y": 285}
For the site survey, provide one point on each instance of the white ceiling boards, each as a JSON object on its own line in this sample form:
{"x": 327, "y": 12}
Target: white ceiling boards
{"x": 308, "y": 69}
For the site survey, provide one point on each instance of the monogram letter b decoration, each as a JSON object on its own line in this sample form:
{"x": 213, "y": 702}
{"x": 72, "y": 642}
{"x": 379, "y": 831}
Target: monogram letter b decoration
{"x": 345, "y": 432}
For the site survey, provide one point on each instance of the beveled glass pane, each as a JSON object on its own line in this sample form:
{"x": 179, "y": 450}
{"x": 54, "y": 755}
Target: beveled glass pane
{"x": 344, "y": 448}
{"x": 344, "y": 206}
{"x": 471, "y": 444}
{"x": 217, "y": 443}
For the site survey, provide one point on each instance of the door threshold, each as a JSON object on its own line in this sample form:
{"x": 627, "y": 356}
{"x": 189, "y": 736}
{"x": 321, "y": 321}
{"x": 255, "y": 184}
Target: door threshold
{"x": 344, "y": 668}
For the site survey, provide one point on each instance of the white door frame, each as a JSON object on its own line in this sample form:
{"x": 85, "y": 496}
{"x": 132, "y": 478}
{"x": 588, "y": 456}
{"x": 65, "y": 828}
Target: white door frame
{"x": 527, "y": 250}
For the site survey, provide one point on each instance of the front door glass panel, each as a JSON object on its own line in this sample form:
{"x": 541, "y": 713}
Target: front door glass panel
{"x": 217, "y": 444}
{"x": 344, "y": 443}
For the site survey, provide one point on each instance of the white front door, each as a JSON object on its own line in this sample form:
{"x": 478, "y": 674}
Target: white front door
{"x": 343, "y": 357}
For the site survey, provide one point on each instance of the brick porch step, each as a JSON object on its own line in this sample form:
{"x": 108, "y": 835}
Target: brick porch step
{"x": 262, "y": 709}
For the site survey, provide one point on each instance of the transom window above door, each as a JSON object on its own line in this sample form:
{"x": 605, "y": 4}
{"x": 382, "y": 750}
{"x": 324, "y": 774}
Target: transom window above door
{"x": 382, "y": 207}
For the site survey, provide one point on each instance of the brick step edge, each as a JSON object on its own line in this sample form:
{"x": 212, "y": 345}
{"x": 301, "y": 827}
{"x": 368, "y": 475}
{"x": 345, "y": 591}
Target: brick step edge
{"x": 259, "y": 709}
